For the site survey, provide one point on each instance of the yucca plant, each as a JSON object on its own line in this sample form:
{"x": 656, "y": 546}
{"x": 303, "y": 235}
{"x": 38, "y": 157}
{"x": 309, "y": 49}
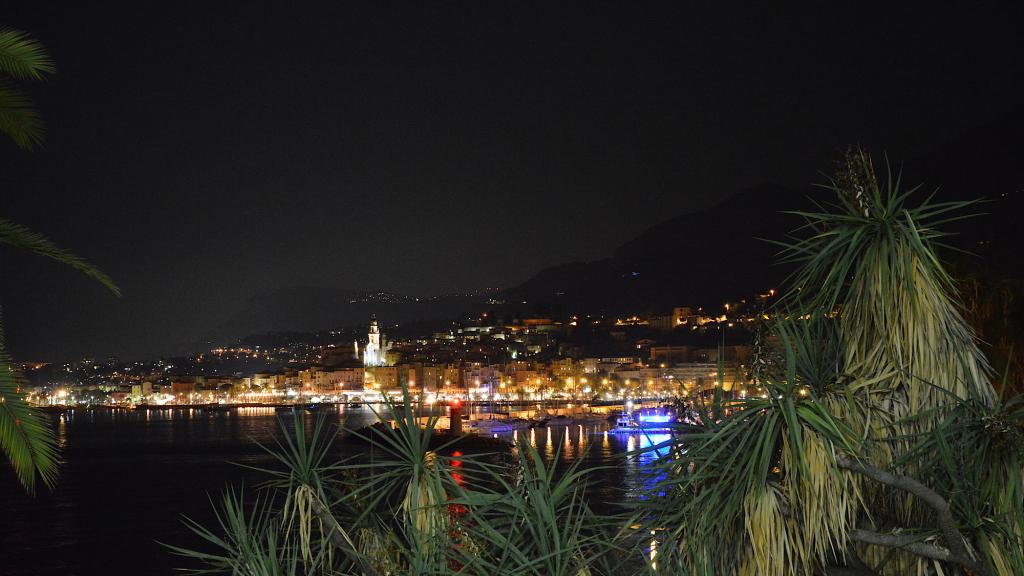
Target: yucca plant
{"x": 881, "y": 447}
{"x": 757, "y": 491}
{"x": 976, "y": 453}
{"x": 385, "y": 515}
{"x": 871, "y": 260}
{"x": 530, "y": 519}
{"x": 248, "y": 541}
{"x": 406, "y": 507}
{"x": 25, "y": 437}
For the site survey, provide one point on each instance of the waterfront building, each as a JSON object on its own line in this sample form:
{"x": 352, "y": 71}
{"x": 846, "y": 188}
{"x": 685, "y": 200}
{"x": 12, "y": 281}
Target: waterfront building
{"x": 266, "y": 382}
{"x": 670, "y": 355}
{"x": 308, "y": 378}
{"x": 337, "y": 379}
{"x": 182, "y": 389}
{"x": 321, "y": 380}
{"x": 382, "y": 377}
{"x": 431, "y": 378}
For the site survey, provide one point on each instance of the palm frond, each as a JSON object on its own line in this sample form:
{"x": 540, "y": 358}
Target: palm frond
{"x": 26, "y": 438}
{"x": 19, "y": 236}
{"x": 19, "y": 119}
{"x": 23, "y": 57}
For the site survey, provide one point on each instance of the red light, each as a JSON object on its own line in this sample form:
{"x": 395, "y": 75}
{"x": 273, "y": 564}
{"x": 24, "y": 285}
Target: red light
{"x": 456, "y": 402}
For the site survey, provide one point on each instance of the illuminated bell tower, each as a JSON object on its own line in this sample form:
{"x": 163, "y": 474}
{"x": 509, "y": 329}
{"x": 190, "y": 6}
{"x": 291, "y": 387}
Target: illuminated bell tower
{"x": 373, "y": 354}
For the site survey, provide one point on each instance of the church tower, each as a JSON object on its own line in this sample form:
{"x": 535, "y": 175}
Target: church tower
{"x": 373, "y": 354}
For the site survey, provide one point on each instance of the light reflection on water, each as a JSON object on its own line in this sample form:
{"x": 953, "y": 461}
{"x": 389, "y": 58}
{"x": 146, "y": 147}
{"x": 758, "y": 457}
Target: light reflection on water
{"x": 622, "y": 458}
{"x": 650, "y": 449}
{"x": 130, "y": 475}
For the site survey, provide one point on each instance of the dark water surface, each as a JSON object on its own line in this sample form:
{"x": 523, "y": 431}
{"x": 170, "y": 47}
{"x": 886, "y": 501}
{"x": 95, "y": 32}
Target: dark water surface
{"x": 128, "y": 477}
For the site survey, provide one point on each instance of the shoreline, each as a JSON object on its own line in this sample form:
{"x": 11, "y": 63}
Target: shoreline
{"x": 604, "y": 405}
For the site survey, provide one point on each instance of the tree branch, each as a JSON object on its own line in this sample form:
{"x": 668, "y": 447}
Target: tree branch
{"x": 957, "y": 551}
{"x": 910, "y": 542}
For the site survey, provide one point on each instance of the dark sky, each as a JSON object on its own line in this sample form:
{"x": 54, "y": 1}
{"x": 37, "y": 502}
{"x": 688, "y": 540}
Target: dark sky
{"x": 205, "y": 153}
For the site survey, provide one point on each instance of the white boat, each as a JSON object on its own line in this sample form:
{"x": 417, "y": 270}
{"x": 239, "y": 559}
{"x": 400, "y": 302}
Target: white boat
{"x": 645, "y": 422}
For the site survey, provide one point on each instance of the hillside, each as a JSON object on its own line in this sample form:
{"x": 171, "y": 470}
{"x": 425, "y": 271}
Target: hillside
{"x": 704, "y": 257}
{"x": 312, "y": 309}
{"x": 701, "y": 258}
{"x": 718, "y": 254}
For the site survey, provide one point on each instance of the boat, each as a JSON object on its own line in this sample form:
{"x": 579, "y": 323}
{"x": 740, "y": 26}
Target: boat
{"x": 498, "y": 425}
{"x": 312, "y": 407}
{"x": 540, "y": 420}
{"x": 657, "y": 421}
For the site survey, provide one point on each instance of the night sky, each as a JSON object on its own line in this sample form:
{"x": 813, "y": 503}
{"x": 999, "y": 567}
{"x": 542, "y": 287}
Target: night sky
{"x": 202, "y": 154}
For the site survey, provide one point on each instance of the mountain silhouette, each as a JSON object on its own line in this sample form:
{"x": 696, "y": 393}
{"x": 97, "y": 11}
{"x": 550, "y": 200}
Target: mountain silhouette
{"x": 703, "y": 258}
{"x": 722, "y": 253}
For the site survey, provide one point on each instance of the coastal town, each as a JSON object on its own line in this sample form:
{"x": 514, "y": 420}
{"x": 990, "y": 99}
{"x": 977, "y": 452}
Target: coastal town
{"x": 685, "y": 352}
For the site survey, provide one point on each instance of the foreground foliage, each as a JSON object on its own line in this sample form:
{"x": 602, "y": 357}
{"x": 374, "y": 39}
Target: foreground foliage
{"x": 408, "y": 509}
{"x": 876, "y": 444}
{"x": 881, "y": 447}
{"x": 26, "y": 439}
{"x": 22, "y": 58}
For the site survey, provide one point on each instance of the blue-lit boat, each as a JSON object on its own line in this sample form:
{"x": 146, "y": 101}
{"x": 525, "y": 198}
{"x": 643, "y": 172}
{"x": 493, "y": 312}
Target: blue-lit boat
{"x": 655, "y": 421}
